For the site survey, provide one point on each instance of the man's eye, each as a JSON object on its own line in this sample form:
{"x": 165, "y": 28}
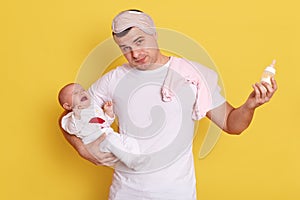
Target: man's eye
{"x": 139, "y": 42}
{"x": 126, "y": 49}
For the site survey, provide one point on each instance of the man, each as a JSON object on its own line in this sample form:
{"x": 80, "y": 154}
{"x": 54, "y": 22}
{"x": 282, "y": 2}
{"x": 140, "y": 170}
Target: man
{"x": 163, "y": 123}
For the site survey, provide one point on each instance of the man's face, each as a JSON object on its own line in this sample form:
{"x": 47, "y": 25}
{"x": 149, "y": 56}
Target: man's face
{"x": 140, "y": 49}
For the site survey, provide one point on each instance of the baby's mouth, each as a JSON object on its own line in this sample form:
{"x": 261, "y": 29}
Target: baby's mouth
{"x": 84, "y": 98}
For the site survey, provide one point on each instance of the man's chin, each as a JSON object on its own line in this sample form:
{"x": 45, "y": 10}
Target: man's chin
{"x": 142, "y": 67}
{"x": 146, "y": 66}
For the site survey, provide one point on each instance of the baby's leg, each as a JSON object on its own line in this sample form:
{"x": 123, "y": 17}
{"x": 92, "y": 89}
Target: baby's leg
{"x": 128, "y": 153}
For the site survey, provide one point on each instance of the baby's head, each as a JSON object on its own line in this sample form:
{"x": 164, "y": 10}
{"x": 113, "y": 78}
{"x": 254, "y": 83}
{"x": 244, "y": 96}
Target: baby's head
{"x": 74, "y": 95}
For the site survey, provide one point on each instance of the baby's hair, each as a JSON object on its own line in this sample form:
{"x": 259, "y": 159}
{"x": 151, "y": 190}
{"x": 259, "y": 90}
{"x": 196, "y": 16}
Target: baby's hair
{"x": 61, "y": 96}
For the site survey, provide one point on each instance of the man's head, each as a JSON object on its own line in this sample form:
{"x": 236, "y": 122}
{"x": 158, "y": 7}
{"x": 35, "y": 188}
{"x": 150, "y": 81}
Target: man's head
{"x": 73, "y": 95}
{"x": 135, "y": 34}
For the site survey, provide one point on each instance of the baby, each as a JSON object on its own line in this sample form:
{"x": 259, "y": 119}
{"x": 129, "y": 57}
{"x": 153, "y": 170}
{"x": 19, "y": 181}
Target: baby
{"x": 88, "y": 121}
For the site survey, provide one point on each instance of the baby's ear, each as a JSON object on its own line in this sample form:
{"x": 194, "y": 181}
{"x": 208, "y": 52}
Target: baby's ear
{"x": 67, "y": 106}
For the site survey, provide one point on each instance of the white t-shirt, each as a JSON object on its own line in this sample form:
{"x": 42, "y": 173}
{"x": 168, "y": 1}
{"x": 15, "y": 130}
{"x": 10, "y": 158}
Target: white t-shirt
{"x": 164, "y": 131}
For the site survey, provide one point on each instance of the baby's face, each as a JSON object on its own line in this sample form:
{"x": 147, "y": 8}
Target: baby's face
{"x": 80, "y": 98}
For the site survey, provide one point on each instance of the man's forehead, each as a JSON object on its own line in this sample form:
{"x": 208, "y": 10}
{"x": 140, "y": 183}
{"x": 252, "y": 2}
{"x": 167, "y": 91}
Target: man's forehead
{"x": 130, "y": 37}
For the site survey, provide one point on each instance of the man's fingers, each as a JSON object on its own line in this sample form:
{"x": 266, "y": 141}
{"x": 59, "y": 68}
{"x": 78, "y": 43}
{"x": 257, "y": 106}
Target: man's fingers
{"x": 110, "y": 164}
{"x": 261, "y": 93}
{"x": 274, "y": 84}
{"x": 102, "y": 137}
{"x": 270, "y": 91}
{"x": 256, "y": 92}
{"x": 99, "y": 140}
{"x": 105, "y": 155}
{"x": 109, "y": 161}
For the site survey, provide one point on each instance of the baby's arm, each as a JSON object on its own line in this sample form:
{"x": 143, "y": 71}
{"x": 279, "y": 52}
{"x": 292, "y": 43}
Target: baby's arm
{"x": 71, "y": 125}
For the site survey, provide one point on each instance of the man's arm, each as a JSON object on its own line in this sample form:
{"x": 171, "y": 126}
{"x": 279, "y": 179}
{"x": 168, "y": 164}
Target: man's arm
{"x": 236, "y": 120}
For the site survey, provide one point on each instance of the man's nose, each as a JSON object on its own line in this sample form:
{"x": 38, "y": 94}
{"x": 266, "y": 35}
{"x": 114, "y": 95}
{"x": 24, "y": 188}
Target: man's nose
{"x": 135, "y": 52}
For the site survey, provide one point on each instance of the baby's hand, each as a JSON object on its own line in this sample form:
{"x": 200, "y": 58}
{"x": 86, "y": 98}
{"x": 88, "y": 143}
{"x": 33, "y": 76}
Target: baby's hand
{"x": 108, "y": 108}
{"x": 76, "y": 111}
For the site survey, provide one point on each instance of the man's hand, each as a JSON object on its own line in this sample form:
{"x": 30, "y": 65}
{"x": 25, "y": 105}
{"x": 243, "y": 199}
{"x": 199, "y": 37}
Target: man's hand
{"x": 236, "y": 120}
{"x": 96, "y": 156}
{"x": 261, "y": 94}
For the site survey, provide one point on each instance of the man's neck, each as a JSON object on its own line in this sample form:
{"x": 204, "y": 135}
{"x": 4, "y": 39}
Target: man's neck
{"x": 161, "y": 61}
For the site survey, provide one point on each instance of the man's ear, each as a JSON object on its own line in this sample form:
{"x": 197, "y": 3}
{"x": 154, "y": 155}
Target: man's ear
{"x": 67, "y": 106}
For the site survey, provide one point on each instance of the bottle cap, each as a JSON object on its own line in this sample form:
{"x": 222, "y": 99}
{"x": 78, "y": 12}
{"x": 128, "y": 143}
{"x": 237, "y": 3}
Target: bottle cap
{"x": 271, "y": 69}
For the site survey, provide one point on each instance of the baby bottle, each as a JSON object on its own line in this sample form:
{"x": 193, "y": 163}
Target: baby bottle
{"x": 268, "y": 73}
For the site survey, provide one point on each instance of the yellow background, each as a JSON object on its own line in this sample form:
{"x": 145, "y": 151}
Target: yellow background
{"x": 43, "y": 44}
